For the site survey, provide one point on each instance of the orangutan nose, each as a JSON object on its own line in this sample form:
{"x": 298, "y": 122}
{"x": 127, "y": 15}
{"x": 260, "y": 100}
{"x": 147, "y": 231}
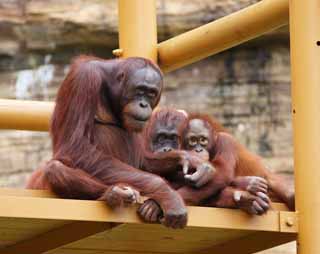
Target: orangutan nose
{"x": 199, "y": 149}
{"x": 143, "y": 104}
{"x": 167, "y": 149}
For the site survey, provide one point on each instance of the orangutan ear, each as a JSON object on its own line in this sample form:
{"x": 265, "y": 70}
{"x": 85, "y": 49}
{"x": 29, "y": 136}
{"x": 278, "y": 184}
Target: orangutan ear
{"x": 103, "y": 115}
{"x": 120, "y": 76}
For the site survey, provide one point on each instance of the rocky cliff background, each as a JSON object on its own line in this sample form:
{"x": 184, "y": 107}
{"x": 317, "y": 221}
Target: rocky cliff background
{"x": 247, "y": 87}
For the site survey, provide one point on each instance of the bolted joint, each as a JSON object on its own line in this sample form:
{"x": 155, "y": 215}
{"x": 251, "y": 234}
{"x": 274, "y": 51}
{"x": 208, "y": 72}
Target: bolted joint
{"x": 117, "y": 52}
{"x": 288, "y": 222}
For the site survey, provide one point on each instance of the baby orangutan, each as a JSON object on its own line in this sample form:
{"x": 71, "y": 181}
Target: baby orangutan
{"x": 248, "y": 178}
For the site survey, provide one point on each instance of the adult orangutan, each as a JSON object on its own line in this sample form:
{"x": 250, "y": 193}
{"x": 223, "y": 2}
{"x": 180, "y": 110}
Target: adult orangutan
{"x": 250, "y": 179}
{"x": 100, "y": 108}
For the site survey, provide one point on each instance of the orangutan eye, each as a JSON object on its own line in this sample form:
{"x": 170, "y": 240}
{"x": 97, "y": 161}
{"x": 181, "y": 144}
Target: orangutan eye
{"x": 152, "y": 94}
{"x": 192, "y": 141}
{"x": 140, "y": 92}
{"x": 161, "y": 138}
{"x": 203, "y": 141}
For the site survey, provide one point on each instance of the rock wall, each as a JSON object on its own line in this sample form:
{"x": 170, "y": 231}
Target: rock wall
{"x": 247, "y": 88}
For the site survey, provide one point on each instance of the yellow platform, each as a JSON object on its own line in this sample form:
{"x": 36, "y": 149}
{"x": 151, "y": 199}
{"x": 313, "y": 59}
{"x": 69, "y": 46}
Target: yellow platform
{"x": 34, "y": 222}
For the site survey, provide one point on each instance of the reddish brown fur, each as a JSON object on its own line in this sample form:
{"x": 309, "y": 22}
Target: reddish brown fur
{"x": 211, "y": 123}
{"x": 191, "y": 195}
{"x": 165, "y": 116}
{"x": 161, "y": 163}
{"x": 166, "y": 163}
{"x": 222, "y": 157}
{"x": 237, "y": 162}
{"x": 88, "y": 157}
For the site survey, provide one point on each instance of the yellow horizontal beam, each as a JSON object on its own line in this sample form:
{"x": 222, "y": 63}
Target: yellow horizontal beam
{"x": 49, "y": 194}
{"x": 63, "y": 209}
{"x": 223, "y": 33}
{"x": 25, "y": 115}
{"x": 30, "y": 211}
{"x": 30, "y": 193}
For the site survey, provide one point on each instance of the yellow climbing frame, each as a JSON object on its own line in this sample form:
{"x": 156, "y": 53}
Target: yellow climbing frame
{"x": 38, "y": 222}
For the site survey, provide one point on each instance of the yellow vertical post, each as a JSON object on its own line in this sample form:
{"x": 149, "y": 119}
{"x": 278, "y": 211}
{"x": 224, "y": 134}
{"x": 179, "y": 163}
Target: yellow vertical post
{"x": 305, "y": 72}
{"x": 138, "y": 28}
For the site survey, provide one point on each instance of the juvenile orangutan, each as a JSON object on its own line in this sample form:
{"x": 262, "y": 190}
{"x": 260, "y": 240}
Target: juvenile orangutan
{"x": 249, "y": 178}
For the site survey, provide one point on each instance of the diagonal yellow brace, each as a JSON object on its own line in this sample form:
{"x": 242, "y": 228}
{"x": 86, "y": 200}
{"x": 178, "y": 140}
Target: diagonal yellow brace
{"x": 223, "y": 34}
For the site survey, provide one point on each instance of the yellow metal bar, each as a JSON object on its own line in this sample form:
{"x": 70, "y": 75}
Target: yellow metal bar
{"x": 305, "y": 72}
{"x": 138, "y": 28}
{"x": 27, "y": 193}
{"x": 222, "y": 34}
{"x": 25, "y": 115}
{"x": 63, "y": 209}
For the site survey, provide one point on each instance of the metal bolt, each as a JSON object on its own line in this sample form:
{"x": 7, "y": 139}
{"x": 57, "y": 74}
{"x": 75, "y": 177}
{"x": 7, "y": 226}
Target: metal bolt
{"x": 289, "y": 222}
{"x": 117, "y": 52}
